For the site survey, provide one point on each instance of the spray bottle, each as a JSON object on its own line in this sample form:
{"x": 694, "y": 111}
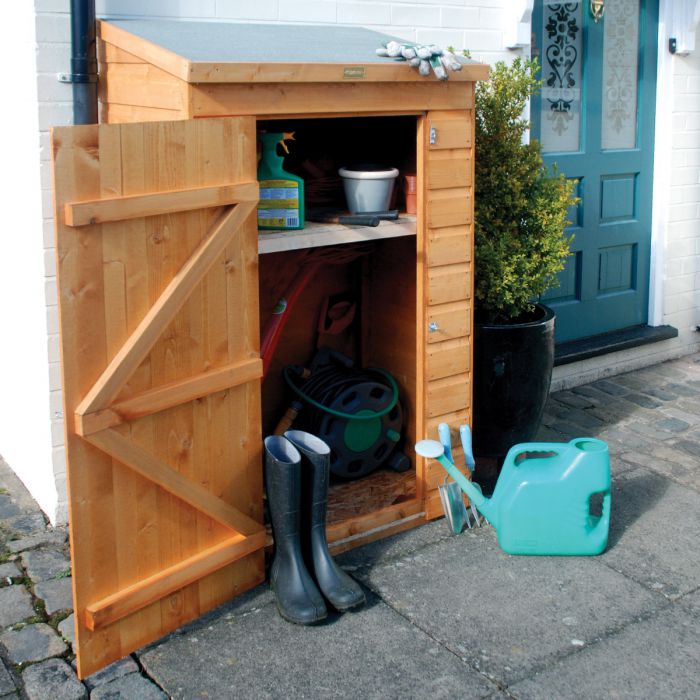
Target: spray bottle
{"x": 281, "y": 204}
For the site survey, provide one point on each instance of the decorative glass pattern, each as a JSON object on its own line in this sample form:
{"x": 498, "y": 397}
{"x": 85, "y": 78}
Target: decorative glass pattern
{"x": 561, "y": 72}
{"x": 620, "y": 67}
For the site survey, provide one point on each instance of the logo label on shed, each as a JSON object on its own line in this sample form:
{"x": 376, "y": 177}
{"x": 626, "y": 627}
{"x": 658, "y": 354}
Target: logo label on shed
{"x": 353, "y": 72}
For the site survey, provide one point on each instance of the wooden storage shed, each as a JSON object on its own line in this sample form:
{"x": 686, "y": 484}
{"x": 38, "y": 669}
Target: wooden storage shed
{"x": 165, "y": 280}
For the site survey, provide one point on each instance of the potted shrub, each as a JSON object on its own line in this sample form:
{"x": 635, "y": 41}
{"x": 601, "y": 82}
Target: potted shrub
{"x": 520, "y": 246}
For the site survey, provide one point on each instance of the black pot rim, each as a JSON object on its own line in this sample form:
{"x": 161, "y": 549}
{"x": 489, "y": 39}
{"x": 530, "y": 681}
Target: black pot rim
{"x": 547, "y": 315}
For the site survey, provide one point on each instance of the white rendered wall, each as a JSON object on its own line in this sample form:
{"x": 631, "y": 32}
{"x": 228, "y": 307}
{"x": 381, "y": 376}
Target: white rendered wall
{"x": 25, "y": 427}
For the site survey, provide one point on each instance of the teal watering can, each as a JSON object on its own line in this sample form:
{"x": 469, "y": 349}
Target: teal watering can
{"x": 541, "y": 503}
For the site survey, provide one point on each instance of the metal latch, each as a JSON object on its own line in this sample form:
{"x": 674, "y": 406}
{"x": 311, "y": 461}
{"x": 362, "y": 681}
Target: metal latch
{"x": 433, "y": 135}
{"x": 433, "y": 327}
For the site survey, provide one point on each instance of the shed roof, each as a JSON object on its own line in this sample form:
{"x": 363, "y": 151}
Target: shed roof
{"x": 235, "y": 52}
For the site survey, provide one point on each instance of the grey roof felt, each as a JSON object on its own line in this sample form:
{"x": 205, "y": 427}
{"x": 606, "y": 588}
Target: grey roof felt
{"x": 260, "y": 43}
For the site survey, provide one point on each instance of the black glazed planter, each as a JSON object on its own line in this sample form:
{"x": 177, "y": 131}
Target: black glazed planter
{"x": 512, "y": 373}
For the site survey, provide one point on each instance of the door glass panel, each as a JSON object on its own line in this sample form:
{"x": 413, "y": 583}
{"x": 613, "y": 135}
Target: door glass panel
{"x": 620, "y": 53}
{"x": 561, "y": 71}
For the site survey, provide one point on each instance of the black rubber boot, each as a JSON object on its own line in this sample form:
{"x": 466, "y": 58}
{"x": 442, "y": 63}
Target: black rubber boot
{"x": 298, "y": 598}
{"x": 341, "y": 591}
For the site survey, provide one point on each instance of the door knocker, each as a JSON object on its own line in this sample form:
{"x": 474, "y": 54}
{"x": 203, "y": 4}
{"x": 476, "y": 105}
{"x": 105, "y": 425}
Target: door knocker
{"x": 597, "y": 9}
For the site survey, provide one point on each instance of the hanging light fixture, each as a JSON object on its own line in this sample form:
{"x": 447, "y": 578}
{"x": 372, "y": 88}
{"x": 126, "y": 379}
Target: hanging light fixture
{"x": 597, "y": 9}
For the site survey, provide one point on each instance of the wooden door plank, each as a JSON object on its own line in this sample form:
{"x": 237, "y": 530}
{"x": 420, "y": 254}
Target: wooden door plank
{"x": 449, "y": 394}
{"x": 136, "y": 458}
{"x": 449, "y": 283}
{"x": 449, "y": 207}
{"x": 453, "y": 129}
{"x": 142, "y": 593}
{"x": 447, "y": 246}
{"x": 170, "y": 395}
{"x": 449, "y": 168}
{"x": 162, "y": 312}
{"x": 451, "y": 320}
{"x": 98, "y": 211}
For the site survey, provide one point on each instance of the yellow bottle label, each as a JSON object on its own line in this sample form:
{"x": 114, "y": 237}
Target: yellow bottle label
{"x": 279, "y": 203}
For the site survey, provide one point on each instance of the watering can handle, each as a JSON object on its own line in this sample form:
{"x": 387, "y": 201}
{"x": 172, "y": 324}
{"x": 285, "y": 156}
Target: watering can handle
{"x": 604, "y": 520}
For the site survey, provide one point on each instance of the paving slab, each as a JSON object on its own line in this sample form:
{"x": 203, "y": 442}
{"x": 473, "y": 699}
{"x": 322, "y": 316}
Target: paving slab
{"x": 66, "y": 629}
{"x": 657, "y": 657}
{"x": 49, "y": 537}
{"x": 655, "y": 532}
{"x": 57, "y": 594}
{"x": 8, "y": 508}
{"x": 373, "y": 653}
{"x": 681, "y": 465}
{"x": 32, "y": 643}
{"x": 130, "y": 687}
{"x": 7, "y": 685}
{"x": 112, "y": 672}
{"x": 27, "y": 523}
{"x": 9, "y": 570}
{"x": 53, "y": 679}
{"x": 15, "y": 605}
{"x": 507, "y": 615}
{"x": 44, "y": 564}
{"x": 395, "y": 547}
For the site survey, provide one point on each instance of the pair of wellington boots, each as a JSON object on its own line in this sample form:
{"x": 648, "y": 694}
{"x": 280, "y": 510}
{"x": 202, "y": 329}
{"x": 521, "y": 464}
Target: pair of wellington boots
{"x": 296, "y": 476}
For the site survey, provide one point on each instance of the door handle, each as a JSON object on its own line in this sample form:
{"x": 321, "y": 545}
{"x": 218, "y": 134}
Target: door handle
{"x": 597, "y": 9}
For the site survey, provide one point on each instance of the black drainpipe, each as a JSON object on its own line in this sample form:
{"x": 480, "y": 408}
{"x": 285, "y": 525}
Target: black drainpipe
{"x": 83, "y": 62}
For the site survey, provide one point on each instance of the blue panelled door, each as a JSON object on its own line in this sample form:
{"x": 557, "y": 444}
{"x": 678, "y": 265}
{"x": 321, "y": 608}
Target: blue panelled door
{"x": 595, "y": 120}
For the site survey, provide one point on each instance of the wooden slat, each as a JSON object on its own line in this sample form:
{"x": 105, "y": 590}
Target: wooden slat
{"x": 162, "y": 312}
{"x": 447, "y": 246}
{"x": 99, "y": 211}
{"x": 145, "y": 50}
{"x": 449, "y": 283}
{"x": 172, "y": 482}
{"x": 109, "y": 53}
{"x": 168, "y": 396}
{"x": 453, "y": 321}
{"x": 453, "y": 129}
{"x": 134, "y": 457}
{"x": 449, "y": 394}
{"x": 269, "y": 72}
{"x": 448, "y": 358}
{"x": 454, "y": 420}
{"x": 142, "y": 593}
{"x": 143, "y": 85}
{"x": 449, "y": 168}
{"x": 449, "y": 207}
{"x": 263, "y": 99}
{"x": 113, "y": 113}
{"x": 366, "y": 524}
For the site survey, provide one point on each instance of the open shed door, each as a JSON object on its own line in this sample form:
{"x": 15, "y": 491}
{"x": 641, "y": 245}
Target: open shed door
{"x": 158, "y": 294}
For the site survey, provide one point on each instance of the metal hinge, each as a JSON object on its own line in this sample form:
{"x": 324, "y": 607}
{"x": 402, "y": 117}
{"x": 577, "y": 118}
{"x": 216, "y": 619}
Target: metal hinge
{"x": 433, "y": 135}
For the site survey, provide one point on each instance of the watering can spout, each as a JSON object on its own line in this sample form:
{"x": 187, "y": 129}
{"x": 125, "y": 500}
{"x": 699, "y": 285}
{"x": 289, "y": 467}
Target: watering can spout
{"x": 432, "y": 449}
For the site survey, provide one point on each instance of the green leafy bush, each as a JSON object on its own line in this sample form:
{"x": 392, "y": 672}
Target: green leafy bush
{"x": 520, "y": 207}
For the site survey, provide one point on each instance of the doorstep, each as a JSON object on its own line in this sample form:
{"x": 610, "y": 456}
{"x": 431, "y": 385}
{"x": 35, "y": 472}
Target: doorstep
{"x": 594, "y": 346}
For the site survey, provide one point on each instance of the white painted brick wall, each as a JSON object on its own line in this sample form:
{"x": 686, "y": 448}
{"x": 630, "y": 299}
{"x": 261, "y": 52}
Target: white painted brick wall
{"x": 682, "y": 291}
{"x": 447, "y": 22}
{"x": 477, "y": 25}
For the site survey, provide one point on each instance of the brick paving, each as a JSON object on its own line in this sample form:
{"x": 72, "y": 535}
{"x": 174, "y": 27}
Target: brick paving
{"x": 623, "y": 624}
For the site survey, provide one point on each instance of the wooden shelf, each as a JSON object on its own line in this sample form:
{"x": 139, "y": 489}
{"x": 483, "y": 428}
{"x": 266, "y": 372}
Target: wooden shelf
{"x": 314, "y": 235}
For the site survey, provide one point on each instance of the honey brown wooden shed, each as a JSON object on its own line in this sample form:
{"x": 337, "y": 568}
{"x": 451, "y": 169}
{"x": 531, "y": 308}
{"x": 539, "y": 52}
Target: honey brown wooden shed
{"x": 164, "y": 280}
